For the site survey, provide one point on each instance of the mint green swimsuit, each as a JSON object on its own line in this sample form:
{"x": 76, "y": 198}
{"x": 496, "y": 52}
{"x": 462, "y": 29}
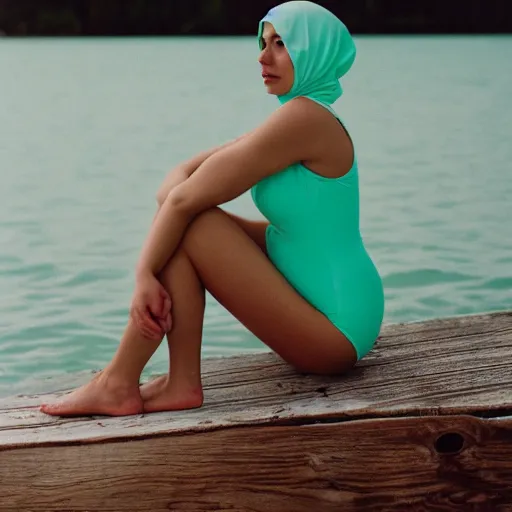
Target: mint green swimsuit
{"x": 313, "y": 238}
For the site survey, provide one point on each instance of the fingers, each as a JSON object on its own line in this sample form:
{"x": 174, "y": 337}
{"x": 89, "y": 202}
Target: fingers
{"x": 152, "y": 325}
{"x": 166, "y": 305}
{"x": 161, "y": 304}
{"x": 154, "y": 305}
{"x": 151, "y": 311}
{"x": 149, "y": 328}
{"x": 165, "y": 323}
{"x": 159, "y": 309}
{"x": 168, "y": 322}
{"x": 139, "y": 322}
{"x": 166, "y": 314}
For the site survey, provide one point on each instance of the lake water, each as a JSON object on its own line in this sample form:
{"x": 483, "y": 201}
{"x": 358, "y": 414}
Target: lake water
{"x": 89, "y": 128}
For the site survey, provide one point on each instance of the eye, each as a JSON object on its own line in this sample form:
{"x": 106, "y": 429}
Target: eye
{"x": 279, "y": 42}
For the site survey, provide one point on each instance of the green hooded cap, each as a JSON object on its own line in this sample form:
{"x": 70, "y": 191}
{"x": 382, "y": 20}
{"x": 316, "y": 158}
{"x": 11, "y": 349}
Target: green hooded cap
{"x": 320, "y": 46}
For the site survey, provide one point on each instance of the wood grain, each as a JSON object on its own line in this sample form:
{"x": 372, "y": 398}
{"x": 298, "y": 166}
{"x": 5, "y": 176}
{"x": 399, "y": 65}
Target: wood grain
{"x": 447, "y": 366}
{"x": 387, "y": 465}
{"x": 423, "y": 423}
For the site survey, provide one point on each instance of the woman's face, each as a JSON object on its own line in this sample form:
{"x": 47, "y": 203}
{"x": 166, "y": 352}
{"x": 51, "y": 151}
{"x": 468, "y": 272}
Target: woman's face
{"x": 276, "y": 64}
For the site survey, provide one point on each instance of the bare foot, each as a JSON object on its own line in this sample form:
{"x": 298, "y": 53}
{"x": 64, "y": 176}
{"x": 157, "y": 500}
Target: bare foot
{"x": 150, "y": 389}
{"x": 101, "y": 396}
{"x": 169, "y": 398}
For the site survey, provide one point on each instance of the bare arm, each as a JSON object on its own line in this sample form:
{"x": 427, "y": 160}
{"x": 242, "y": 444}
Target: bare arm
{"x": 185, "y": 169}
{"x": 292, "y": 134}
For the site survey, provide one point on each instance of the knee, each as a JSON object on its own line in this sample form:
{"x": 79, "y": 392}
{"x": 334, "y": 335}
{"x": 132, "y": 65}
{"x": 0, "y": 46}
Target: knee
{"x": 201, "y": 224}
{"x": 206, "y": 217}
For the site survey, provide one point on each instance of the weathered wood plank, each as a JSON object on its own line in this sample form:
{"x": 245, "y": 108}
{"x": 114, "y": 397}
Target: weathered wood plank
{"x": 456, "y": 463}
{"x": 446, "y": 366}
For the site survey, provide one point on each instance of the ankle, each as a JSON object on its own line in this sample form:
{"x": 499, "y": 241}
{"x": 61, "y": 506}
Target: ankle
{"x": 185, "y": 384}
{"x": 116, "y": 380}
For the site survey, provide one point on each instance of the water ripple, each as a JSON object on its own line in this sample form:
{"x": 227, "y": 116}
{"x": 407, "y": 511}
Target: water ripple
{"x": 423, "y": 277}
{"x": 75, "y": 213}
{"x": 98, "y": 275}
{"x": 39, "y": 271}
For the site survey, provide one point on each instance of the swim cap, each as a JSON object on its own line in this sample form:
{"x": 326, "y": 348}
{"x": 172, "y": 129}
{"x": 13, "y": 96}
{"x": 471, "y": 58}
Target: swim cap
{"x": 320, "y": 47}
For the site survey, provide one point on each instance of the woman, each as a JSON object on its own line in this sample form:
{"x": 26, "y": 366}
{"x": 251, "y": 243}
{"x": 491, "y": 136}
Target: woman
{"x": 303, "y": 282}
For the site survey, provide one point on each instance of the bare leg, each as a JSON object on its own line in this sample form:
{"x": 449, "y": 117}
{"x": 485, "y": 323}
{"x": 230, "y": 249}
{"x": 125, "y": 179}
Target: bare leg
{"x": 217, "y": 254}
{"x": 115, "y": 390}
{"x": 256, "y": 231}
{"x": 181, "y": 388}
{"x": 155, "y": 385}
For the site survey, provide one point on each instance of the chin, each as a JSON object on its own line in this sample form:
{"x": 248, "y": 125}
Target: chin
{"x": 276, "y": 90}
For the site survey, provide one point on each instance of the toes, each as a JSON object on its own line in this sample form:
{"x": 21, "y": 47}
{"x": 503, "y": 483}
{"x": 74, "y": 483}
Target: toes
{"x": 52, "y": 409}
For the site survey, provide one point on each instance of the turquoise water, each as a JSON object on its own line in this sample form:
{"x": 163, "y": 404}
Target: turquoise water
{"x": 89, "y": 128}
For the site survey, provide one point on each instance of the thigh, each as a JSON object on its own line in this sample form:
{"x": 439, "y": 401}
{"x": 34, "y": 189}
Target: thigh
{"x": 255, "y": 229}
{"x": 239, "y": 275}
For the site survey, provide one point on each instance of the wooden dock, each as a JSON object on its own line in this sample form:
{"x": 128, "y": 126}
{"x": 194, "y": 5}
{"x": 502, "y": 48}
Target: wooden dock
{"x": 423, "y": 423}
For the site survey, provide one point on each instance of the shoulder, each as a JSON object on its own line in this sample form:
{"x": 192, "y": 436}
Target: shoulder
{"x": 296, "y": 130}
{"x": 301, "y": 115}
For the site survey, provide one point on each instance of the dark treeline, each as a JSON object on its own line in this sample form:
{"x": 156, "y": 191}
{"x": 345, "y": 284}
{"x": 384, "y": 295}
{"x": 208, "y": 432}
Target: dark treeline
{"x": 224, "y": 17}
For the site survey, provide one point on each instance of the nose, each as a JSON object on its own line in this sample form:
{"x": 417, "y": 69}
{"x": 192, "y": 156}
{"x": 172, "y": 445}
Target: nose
{"x": 264, "y": 56}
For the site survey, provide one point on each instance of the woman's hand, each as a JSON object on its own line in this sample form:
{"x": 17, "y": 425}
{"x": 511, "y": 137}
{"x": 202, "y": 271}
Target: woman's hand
{"x": 151, "y": 307}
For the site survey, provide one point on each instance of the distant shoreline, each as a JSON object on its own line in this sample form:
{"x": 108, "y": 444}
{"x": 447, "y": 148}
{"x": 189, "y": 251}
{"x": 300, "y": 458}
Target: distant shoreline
{"x": 404, "y": 32}
{"x": 228, "y": 18}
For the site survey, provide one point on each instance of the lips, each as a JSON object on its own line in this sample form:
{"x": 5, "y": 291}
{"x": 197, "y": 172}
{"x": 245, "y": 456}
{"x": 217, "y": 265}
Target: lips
{"x": 266, "y": 75}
